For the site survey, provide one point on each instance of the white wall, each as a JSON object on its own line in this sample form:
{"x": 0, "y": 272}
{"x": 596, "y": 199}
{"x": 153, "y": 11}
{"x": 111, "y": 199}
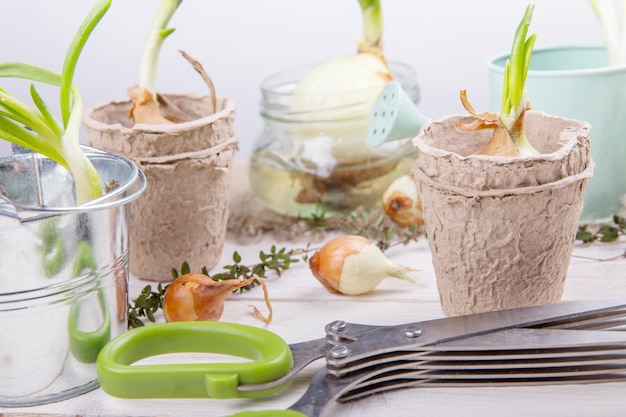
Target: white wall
{"x": 239, "y": 42}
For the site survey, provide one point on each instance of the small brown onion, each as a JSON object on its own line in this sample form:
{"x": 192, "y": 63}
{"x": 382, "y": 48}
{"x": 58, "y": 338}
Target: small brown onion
{"x": 402, "y": 202}
{"x": 354, "y": 265}
{"x": 195, "y": 296}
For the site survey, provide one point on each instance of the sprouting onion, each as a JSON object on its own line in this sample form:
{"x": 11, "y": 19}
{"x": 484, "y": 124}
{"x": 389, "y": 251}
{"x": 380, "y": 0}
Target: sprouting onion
{"x": 614, "y": 28}
{"x": 514, "y": 103}
{"x": 509, "y": 138}
{"x": 362, "y": 75}
{"x": 145, "y": 107}
{"x": 37, "y": 129}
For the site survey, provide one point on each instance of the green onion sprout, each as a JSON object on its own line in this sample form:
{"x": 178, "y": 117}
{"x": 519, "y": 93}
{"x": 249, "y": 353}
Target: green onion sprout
{"x": 35, "y": 128}
{"x": 509, "y": 138}
{"x": 145, "y": 107}
{"x": 514, "y": 103}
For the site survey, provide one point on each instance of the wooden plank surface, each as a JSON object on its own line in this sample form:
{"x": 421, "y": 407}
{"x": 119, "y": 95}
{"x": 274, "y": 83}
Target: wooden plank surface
{"x": 302, "y": 307}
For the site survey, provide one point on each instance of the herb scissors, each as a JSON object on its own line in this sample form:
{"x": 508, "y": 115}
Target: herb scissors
{"x": 555, "y": 343}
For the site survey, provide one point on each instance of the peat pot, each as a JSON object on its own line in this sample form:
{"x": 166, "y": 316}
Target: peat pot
{"x": 183, "y": 214}
{"x": 576, "y": 82}
{"x": 501, "y": 230}
{"x": 63, "y": 275}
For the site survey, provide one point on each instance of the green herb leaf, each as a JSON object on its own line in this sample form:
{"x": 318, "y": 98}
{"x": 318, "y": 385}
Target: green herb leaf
{"x": 605, "y": 233}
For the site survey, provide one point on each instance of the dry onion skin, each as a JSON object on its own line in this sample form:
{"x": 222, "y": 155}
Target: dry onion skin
{"x": 402, "y": 202}
{"x": 197, "y": 297}
{"x": 353, "y": 265}
{"x": 144, "y": 108}
{"x": 509, "y": 138}
{"x": 148, "y": 107}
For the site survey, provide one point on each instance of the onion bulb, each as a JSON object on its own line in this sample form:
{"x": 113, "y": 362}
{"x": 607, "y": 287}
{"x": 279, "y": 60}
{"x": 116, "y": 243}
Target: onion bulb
{"x": 362, "y": 74}
{"x": 197, "y": 297}
{"x": 354, "y": 265}
{"x": 402, "y": 203}
{"x": 509, "y": 137}
{"x": 339, "y": 95}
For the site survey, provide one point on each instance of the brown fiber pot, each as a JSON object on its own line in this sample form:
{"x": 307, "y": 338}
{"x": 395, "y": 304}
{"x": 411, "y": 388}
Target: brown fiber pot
{"x": 183, "y": 213}
{"x": 501, "y": 230}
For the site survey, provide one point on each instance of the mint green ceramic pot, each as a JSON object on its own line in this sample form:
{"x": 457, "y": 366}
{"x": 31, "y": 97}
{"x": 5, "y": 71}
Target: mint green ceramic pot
{"x": 576, "y": 82}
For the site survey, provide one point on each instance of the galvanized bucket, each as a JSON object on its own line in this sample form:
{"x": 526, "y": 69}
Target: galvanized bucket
{"x": 63, "y": 275}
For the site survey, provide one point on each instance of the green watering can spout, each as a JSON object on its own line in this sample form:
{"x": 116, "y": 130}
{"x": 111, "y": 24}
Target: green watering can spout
{"x": 394, "y": 116}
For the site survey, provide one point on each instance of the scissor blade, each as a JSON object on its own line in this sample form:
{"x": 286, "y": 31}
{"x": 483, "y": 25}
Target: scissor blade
{"x": 611, "y": 319}
{"x": 509, "y": 344}
{"x": 396, "y": 384}
{"x": 363, "y": 342}
{"x": 522, "y": 338}
{"x": 410, "y": 337}
{"x": 322, "y": 391}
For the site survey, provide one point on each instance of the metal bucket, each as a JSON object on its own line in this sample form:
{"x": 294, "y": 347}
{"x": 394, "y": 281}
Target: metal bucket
{"x": 63, "y": 275}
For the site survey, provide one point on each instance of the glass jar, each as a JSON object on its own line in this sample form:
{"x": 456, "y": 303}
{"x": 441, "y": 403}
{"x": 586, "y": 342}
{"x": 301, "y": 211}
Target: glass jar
{"x": 317, "y": 161}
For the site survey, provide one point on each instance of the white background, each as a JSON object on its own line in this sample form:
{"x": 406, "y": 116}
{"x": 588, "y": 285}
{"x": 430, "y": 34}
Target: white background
{"x": 240, "y": 42}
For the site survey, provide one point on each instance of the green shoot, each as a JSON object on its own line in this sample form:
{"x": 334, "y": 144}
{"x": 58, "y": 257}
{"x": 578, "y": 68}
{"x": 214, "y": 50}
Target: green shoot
{"x": 158, "y": 32}
{"x": 514, "y": 103}
{"x": 37, "y": 129}
{"x": 509, "y": 139}
{"x": 614, "y": 29}
{"x": 372, "y": 25}
{"x": 145, "y": 107}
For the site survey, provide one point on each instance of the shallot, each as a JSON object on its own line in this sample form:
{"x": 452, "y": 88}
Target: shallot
{"x": 197, "y": 297}
{"x": 354, "y": 265}
{"x": 402, "y": 202}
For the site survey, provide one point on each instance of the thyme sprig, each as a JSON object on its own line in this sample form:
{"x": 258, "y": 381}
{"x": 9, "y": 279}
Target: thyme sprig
{"x": 146, "y": 305}
{"x": 605, "y": 233}
{"x": 373, "y": 225}
{"x": 609, "y": 232}
{"x": 275, "y": 261}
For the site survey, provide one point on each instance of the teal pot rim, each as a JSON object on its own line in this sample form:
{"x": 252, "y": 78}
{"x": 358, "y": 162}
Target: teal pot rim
{"x": 495, "y": 64}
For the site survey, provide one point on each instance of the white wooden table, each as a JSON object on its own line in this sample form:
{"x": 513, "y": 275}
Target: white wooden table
{"x": 302, "y": 307}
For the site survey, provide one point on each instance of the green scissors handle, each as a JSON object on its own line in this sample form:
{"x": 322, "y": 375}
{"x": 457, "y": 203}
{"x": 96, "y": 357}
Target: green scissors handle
{"x": 270, "y": 358}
